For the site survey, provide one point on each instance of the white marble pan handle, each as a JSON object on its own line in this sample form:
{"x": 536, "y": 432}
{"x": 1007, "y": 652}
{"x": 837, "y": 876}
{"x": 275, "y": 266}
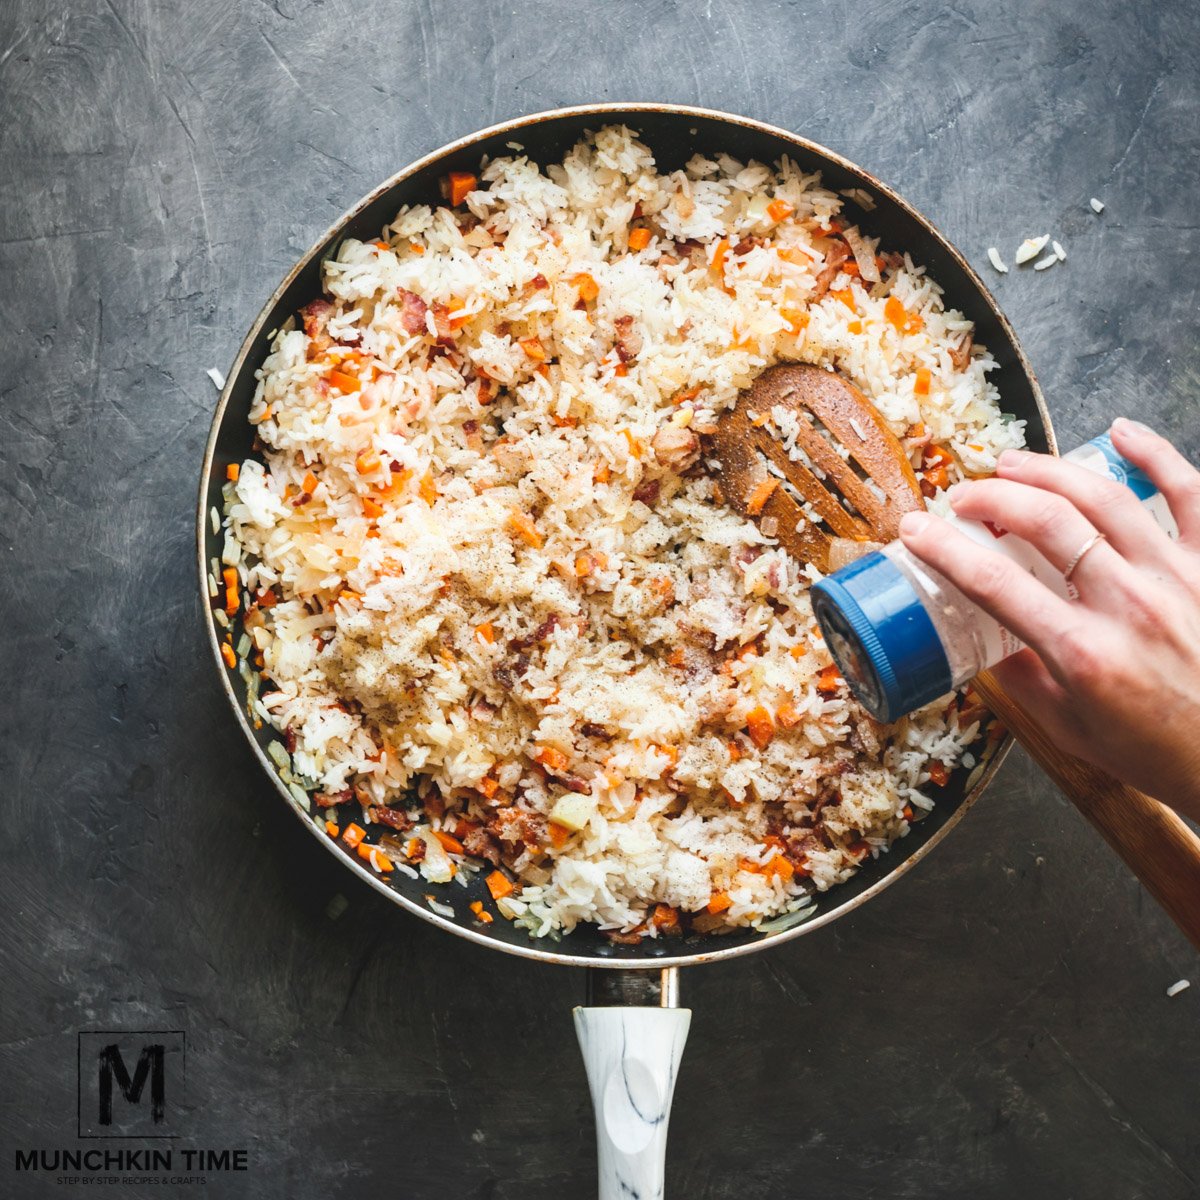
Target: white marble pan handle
{"x": 632, "y": 1058}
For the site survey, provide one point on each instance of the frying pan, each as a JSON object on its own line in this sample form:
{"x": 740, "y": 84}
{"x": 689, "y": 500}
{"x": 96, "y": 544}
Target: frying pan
{"x": 631, "y": 1050}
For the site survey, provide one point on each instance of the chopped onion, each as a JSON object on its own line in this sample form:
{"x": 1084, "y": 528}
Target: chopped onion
{"x": 788, "y": 920}
{"x": 863, "y": 249}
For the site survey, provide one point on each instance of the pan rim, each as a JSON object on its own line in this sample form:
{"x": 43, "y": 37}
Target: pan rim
{"x": 606, "y": 108}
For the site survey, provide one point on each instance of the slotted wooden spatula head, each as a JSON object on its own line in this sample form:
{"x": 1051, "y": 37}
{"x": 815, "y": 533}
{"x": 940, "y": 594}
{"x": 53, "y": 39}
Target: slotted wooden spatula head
{"x": 860, "y": 498}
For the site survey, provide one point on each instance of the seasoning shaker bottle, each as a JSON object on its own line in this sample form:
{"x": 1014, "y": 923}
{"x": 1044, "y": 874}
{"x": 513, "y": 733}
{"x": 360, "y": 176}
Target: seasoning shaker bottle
{"x": 903, "y": 635}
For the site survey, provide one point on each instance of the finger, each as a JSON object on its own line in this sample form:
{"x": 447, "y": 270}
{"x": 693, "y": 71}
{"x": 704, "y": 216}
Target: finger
{"x": 1047, "y": 521}
{"x": 1111, "y": 507}
{"x": 1168, "y": 470}
{"x": 1030, "y": 609}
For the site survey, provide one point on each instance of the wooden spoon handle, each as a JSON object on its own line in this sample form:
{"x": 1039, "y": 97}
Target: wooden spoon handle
{"x": 1156, "y": 844}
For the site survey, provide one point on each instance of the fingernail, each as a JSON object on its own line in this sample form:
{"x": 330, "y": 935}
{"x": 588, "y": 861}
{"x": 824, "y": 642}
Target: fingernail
{"x": 1011, "y": 460}
{"x": 1128, "y": 425}
{"x": 914, "y": 522}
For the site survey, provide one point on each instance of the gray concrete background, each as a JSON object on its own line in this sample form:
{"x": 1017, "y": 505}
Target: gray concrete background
{"x": 994, "y": 1025}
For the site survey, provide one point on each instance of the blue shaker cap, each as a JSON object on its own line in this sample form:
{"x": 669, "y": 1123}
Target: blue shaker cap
{"x": 881, "y": 637}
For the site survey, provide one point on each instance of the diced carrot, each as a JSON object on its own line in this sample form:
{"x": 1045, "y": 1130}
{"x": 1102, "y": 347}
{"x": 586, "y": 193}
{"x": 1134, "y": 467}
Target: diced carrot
{"x": 677, "y": 657}
{"x": 788, "y": 715}
{"x": 586, "y": 286}
{"x": 481, "y": 914}
{"x": 230, "y": 578}
{"x": 461, "y": 183}
{"x": 559, "y": 834}
{"x": 488, "y": 786}
{"x": 793, "y": 255}
{"x": 232, "y": 471}
{"x": 485, "y": 632}
{"x": 376, "y": 858}
{"x": 533, "y": 348}
{"x": 266, "y": 599}
{"x": 602, "y": 473}
{"x": 779, "y": 210}
{"x": 780, "y": 866}
{"x": 795, "y": 319}
{"x": 522, "y": 525}
{"x": 760, "y": 495}
{"x": 906, "y": 812}
{"x": 854, "y": 327}
{"x": 939, "y": 774}
{"x": 367, "y": 463}
{"x": 921, "y": 383}
{"x": 690, "y": 394}
{"x": 636, "y": 445}
{"x": 414, "y": 849}
{"x": 895, "y": 313}
{"x": 371, "y": 508}
{"x": 499, "y": 885}
{"x": 735, "y": 751}
{"x": 428, "y": 489}
{"x": 846, "y": 296}
{"x": 343, "y": 382}
{"x": 639, "y": 238}
{"x": 310, "y": 483}
{"x": 353, "y": 835}
{"x": 720, "y": 254}
{"x": 331, "y": 828}
{"x": 449, "y": 842}
{"x": 417, "y": 248}
{"x": 829, "y": 680}
{"x": 552, "y": 758}
{"x": 933, "y": 480}
{"x": 665, "y": 918}
{"x": 718, "y": 903}
{"x": 228, "y": 655}
{"x": 760, "y": 727}
{"x": 380, "y": 244}
{"x": 936, "y": 456}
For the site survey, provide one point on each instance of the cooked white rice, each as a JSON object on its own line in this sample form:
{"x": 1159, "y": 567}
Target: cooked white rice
{"x": 505, "y": 597}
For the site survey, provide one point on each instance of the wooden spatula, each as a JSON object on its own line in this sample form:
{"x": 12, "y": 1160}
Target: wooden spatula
{"x": 870, "y": 471}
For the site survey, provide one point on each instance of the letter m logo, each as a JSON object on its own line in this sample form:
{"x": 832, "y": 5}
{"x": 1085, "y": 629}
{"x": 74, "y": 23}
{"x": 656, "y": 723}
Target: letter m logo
{"x": 131, "y": 1084}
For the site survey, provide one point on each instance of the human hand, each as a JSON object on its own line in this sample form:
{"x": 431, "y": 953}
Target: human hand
{"x": 1114, "y": 677}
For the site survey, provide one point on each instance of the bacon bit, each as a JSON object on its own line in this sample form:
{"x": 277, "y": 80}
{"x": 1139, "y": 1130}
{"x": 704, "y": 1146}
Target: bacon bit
{"x": 414, "y": 849}
{"x": 788, "y": 715}
{"x": 760, "y": 727}
{"x": 266, "y": 599}
{"x": 522, "y": 525}
{"x": 228, "y": 655}
{"x": 428, "y": 489}
{"x": 859, "y": 848}
{"x": 846, "y": 296}
{"x": 449, "y": 842}
{"x": 639, "y": 238}
{"x": 586, "y": 286}
{"x": 533, "y": 348}
{"x": 371, "y": 508}
{"x": 559, "y": 834}
{"x": 394, "y": 818}
{"x": 665, "y": 919}
{"x": 367, "y": 463}
{"x": 633, "y": 938}
{"x": 760, "y": 495}
{"x": 459, "y": 185}
{"x": 921, "y": 383}
{"x": 779, "y": 210}
{"x": 331, "y": 828}
{"x": 488, "y": 787}
{"x": 795, "y": 320}
{"x": 828, "y": 681}
{"x": 499, "y": 885}
{"x": 553, "y": 759}
{"x": 718, "y": 903}
{"x": 939, "y": 774}
{"x": 481, "y": 914}
{"x": 412, "y": 312}
{"x": 343, "y": 382}
{"x": 353, "y": 835}
{"x": 232, "y": 600}
{"x": 485, "y": 632}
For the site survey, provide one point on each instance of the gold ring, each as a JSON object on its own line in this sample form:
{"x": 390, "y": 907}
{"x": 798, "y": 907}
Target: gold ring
{"x": 1069, "y": 569}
